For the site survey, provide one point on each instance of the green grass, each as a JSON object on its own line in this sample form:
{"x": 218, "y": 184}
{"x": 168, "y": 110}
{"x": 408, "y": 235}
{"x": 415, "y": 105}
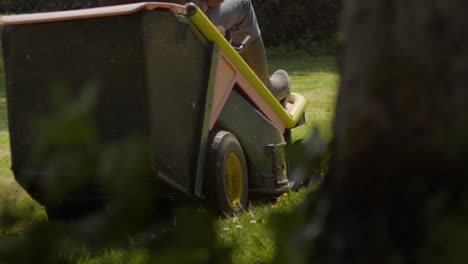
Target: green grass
{"x": 249, "y": 234}
{"x": 2, "y": 74}
{"x": 316, "y": 79}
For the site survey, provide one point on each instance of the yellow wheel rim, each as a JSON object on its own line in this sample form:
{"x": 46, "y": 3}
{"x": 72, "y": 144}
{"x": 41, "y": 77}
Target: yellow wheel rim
{"x": 234, "y": 180}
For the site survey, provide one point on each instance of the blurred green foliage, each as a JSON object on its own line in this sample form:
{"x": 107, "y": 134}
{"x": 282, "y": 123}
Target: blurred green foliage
{"x": 128, "y": 215}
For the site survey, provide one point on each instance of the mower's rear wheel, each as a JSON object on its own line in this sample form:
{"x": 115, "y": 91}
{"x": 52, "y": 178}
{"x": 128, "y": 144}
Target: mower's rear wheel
{"x": 227, "y": 179}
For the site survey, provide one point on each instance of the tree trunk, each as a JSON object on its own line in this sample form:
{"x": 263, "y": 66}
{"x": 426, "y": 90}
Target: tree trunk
{"x": 397, "y": 185}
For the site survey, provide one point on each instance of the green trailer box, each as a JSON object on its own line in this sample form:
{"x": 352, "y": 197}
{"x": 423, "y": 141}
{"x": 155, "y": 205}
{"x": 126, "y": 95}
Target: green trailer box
{"x": 164, "y": 74}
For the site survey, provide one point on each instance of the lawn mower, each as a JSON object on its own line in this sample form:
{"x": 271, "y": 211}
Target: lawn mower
{"x": 165, "y": 74}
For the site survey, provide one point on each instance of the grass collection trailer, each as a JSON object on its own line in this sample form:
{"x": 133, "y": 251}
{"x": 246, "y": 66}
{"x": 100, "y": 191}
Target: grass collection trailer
{"x": 165, "y": 74}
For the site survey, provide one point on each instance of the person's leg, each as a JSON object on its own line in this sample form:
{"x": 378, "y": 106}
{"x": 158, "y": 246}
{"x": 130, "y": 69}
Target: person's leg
{"x": 278, "y": 83}
{"x": 238, "y": 17}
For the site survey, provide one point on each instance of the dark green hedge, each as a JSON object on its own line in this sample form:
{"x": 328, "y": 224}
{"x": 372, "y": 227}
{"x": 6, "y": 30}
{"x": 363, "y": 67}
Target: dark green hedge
{"x": 30, "y": 6}
{"x": 300, "y": 21}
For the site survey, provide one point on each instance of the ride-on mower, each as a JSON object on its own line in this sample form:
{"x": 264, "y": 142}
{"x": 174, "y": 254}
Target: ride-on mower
{"x": 164, "y": 73}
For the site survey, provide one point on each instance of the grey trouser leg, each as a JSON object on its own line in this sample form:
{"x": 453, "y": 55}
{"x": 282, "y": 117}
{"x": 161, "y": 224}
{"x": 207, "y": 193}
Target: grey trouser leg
{"x": 237, "y": 17}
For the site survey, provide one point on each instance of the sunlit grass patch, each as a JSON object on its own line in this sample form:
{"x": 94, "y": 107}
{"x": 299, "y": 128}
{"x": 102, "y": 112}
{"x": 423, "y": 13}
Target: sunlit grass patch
{"x": 19, "y": 205}
{"x": 13, "y": 198}
{"x": 250, "y": 233}
{"x": 316, "y": 79}
{"x": 4, "y": 140}
{"x": 2, "y": 71}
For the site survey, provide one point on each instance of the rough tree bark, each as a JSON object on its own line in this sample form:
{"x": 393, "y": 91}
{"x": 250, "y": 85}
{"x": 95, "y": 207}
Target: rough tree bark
{"x": 397, "y": 186}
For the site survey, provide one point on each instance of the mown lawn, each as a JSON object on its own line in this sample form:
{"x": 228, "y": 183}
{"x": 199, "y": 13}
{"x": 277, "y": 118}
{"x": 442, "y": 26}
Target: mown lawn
{"x": 249, "y": 234}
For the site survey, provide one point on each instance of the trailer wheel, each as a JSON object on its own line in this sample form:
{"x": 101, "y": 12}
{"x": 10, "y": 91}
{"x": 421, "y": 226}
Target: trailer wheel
{"x": 226, "y": 173}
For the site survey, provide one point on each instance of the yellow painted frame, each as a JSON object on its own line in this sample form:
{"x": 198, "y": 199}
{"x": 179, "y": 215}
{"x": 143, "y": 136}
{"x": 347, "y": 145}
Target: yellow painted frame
{"x": 203, "y": 24}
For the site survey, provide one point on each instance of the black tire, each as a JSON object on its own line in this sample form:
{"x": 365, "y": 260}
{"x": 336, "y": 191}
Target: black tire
{"x": 226, "y": 177}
